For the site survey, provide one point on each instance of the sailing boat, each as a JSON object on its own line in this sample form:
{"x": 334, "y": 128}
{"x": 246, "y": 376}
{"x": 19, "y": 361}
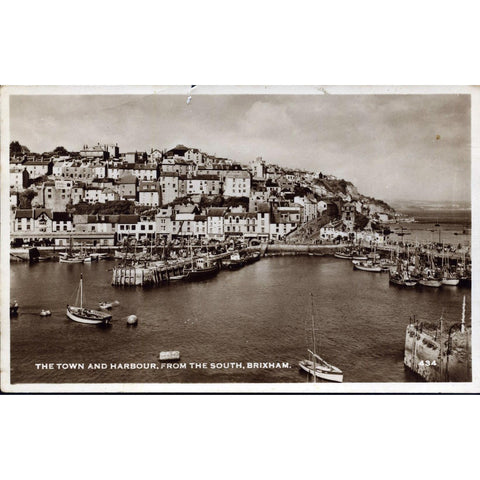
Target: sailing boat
{"x": 86, "y": 315}
{"x": 70, "y": 257}
{"x": 316, "y": 365}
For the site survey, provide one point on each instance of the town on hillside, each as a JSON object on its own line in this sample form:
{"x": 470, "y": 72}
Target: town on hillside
{"x": 104, "y": 196}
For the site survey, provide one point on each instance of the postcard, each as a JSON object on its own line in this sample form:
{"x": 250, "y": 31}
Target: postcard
{"x": 311, "y": 239}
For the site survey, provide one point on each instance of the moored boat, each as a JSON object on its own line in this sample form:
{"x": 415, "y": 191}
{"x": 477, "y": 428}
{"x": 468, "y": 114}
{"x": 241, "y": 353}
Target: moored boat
{"x": 235, "y": 262}
{"x": 401, "y": 278}
{"x": 201, "y": 269}
{"x": 81, "y": 314}
{"x": 67, "y": 258}
{"x": 316, "y": 365}
{"x": 319, "y": 368}
{"x": 343, "y": 255}
{"x": 251, "y": 258}
{"x": 367, "y": 266}
{"x": 428, "y": 281}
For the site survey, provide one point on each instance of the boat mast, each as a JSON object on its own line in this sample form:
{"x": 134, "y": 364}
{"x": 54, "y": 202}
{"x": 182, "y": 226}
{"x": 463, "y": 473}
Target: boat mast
{"x": 314, "y": 343}
{"x": 81, "y": 290}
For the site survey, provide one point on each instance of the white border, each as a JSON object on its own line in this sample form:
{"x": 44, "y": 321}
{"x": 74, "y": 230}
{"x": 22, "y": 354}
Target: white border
{"x": 472, "y": 387}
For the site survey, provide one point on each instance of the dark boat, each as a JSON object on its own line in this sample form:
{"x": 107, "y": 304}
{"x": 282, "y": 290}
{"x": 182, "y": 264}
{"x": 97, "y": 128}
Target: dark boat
{"x": 200, "y": 270}
{"x": 251, "y": 258}
{"x": 235, "y": 262}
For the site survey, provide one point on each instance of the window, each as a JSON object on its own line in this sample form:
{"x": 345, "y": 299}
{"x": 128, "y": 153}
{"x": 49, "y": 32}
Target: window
{"x": 122, "y": 227}
{"x": 65, "y": 228}
{"x": 150, "y": 227}
{"x": 134, "y": 227}
{"x": 142, "y": 227}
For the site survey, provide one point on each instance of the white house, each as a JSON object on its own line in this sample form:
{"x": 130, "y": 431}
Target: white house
{"x": 237, "y": 184}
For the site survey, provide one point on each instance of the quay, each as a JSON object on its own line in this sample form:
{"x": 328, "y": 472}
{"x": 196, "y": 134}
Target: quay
{"x": 437, "y": 354}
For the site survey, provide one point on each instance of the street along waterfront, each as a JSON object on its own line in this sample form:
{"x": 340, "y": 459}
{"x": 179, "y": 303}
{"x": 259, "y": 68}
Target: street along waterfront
{"x": 255, "y": 317}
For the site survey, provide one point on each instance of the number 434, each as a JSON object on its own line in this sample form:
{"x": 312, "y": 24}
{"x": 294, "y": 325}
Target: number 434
{"x": 427, "y": 363}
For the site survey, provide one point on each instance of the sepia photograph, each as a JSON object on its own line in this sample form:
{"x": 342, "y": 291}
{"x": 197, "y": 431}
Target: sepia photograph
{"x": 237, "y": 239}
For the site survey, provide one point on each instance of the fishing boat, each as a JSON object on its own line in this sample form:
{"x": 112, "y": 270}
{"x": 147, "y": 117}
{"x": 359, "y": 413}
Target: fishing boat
{"x": 316, "y": 365}
{"x": 201, "y": 269}
{"x": 67, "y": 258}
{"x": 344, "y": 254}
{"x": 367, "y": 266}
{"x": 401, "y": 278}
{"x": 450, "y": 279}
{"x": 251, "y": 258}
{"x": 86, "y": 315}
{"x": 430, "y": 281}
{"x": 235, "y": 262}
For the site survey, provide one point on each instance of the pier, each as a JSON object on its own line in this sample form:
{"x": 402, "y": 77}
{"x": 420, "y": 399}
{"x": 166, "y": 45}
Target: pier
{"x": 437, "y": 354}
{"x": 154, "y": 273}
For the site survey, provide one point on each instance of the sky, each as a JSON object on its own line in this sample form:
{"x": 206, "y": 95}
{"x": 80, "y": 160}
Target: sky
{"x": 392, "y": 147}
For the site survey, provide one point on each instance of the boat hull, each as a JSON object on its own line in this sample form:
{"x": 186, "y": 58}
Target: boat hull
{"x": 452, "y": 282}
{"x": 235, "y": 265}
{"x": 344, "y": 256}
{"x": 81, "y": 315}
{"x": 308, "y": 367}
{"x": 70, "y": 260}
{"x": 255, "y": 257}
{"x": 430, "y": 282}
{"x": 201, "y": 274}
{"x": 358, "y": 266}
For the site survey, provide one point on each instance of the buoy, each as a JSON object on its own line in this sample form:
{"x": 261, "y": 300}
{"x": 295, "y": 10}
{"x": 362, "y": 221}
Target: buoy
{"x": 45, "y": 313}
{"x": 132, "y": 320}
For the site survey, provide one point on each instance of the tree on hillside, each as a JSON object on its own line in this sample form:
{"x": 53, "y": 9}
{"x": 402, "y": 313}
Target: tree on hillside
{"x": 61, "y": 151}
{"x": 17, "y": 149}
{"x": 114, "y": 207}
{"x": 361, "y": 221}
{"x": 25, "y": 198}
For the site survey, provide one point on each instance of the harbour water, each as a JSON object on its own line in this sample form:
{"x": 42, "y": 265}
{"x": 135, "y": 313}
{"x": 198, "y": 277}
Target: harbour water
{"x": 258, "y": 314}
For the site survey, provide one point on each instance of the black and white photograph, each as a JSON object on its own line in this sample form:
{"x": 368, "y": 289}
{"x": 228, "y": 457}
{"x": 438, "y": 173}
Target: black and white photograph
{"x": 237, "y": 239}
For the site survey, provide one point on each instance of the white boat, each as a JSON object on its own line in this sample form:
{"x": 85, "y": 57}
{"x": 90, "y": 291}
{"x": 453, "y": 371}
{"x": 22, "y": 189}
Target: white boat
{"x": 367, "y": 267}
{"x": 70, "y": 259}
{"x": 452, "y": 282}
{"x": 86, "y": 315}
{"x": 343, "y": 255}
{"x": 430, "y": 282}
{"x": 176, "y": 278}
{"x": 450, "y": 278}
{"x": 316, "y": 365}
{"x": 105, "y": 305}
{"x": 45, "y": 313}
